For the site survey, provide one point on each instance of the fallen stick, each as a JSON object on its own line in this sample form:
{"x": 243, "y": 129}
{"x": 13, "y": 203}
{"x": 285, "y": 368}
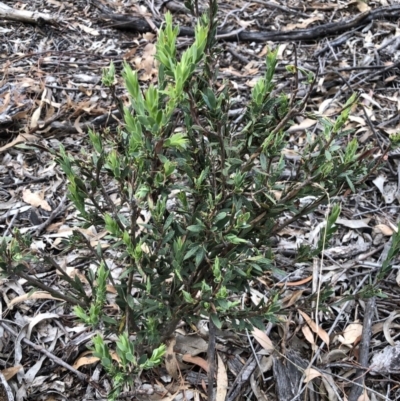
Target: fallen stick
{"x": 32, "y": 17}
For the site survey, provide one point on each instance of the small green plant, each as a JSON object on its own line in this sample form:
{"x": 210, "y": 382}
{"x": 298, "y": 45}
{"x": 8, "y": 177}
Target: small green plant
{"x": 93, "y": 316}
{"x": 127, "y": 366}
{"x": 214, "y": 192}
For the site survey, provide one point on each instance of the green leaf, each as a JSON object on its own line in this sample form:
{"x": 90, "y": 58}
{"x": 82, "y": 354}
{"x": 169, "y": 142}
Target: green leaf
{"x": 200, "y": 256}
{"x": 233, "y": 239}
{"x": 195, "y": 228}
{"x": 130, "y": 357}
{"x": 220, "y": 216}
{"x": 215, "y": 319}
{"x": 191, "y": 252}
{"x": 178, "y": 141}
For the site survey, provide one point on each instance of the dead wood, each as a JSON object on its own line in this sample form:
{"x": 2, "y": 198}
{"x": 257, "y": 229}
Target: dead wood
{"x": 139, "y": 24}
{"x": 32, "y": 17}
{"x": 288, "y": 374}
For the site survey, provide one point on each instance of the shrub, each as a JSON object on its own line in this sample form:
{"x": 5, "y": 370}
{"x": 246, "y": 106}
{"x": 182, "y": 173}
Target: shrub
{"x": 214, "y": 192}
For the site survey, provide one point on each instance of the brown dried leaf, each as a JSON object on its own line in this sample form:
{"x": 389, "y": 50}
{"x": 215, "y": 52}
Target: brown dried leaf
{"x": 321, "y": 333}
{"x": 19, "y": 139}
{"x": 384, "y": 229}
{"x": 363, "y": 396}
{"x": 308, "y": 335}
{"x": 9, "y": 373}
{"x": 311, "y": 374}
{"x": 292, "y": 298}
{"x": 85, "y": 360}
{"x": 196, "y": 360}
{"x": 351, "y": 334}
{"x": 263, "y": 339}
{"x": 222, "y": 380}
{"x": 28, "y": 296}
{"x": 295, "y": 283}
{"x": 363, "y": 6}
{"x": 35, "y": 199}
{"x": 35, "y": 117}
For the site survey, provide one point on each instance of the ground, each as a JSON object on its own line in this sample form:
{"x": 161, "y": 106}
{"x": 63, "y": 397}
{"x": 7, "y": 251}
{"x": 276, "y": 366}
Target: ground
{"x": 51, "y": 92}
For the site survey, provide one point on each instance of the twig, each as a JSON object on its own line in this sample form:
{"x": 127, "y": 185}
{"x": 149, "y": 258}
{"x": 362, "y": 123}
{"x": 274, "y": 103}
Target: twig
{"x": 229, "y": 35}
{"x": 10, "y": 226}
{"x": 356, "y": 389}
{"x": 56, "y": 294}
{"x": 211, "y": 359}
{"x": 254, "y": 354}
{"x": 241, "y": 58}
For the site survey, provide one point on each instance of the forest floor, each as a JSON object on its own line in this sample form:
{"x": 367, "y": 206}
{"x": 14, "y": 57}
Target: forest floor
{"x": 51, "y": 92}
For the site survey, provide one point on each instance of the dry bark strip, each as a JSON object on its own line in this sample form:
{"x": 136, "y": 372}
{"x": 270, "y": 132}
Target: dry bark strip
{"x": 288, "y": 376}
{"x": 139, "y": 24}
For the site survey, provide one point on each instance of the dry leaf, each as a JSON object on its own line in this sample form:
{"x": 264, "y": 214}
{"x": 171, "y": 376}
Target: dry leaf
{"x": 263, "y": 339}
{"x": 245, "y": 24}
{"x": 324, "y": 106}
{"x": 35, "y": 199}
{"x": 291, "y": 299}
{"x": 384, "y": 229}
{"x": 309, "y": 336}
{"x": 35, "y": 295}
{"x": 19, "y": 139}
{"x": 196, "y": 360}
{"x": 306, "y": 123}
{"x": 321, "y": 333}
{"x": 310, "y": 374}
{"x": 358, "y": 120}
{"x": 363, "y": 396}
{"x": 88, "y": 30}
{"x": 295, "y": 283}
{"x": 193, "y": 345}
{"x": 363, "y": 6}
{"x": 85, "y": 360}
{"x": 9, "y": 373}
{"x": 369, "y": 100}
{"x": 277, "y": 194}
{"x": 35, "y": 117}
{"x": 351, "y": 334}
{"x": 222, "y": 380}
{"x": 379, "y": 183}
{"x": 362, "y": 223}
{"x": 330, "y": 387}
